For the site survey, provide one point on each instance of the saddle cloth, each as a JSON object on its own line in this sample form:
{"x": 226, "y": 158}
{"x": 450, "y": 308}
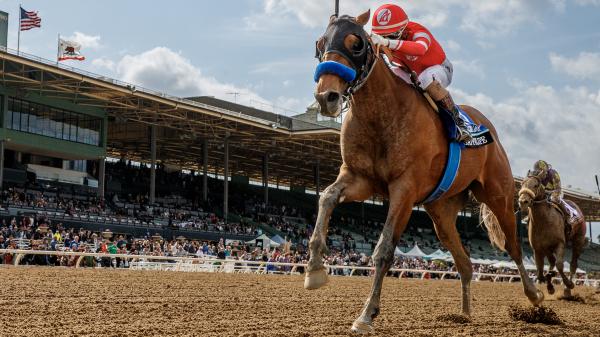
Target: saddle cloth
{"x": 574, "y": 215}
{"x": 480, "y": 134}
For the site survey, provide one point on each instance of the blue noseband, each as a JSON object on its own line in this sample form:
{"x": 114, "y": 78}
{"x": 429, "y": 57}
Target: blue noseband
{"x": 335, "y": 68}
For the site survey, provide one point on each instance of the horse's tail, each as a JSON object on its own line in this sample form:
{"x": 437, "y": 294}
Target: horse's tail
{"x": 495, "y": 233}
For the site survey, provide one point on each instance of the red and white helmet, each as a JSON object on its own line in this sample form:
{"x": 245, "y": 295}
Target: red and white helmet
{"x": 389, "y": 19}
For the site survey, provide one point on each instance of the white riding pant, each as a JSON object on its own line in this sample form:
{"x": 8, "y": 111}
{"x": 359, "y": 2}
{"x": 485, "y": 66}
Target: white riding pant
{"x": 439, "y": 72}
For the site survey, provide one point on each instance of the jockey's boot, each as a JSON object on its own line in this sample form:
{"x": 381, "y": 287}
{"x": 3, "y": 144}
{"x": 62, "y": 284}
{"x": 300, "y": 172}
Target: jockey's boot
{"x": 567, "y": 217}
{"x": 442, "y": 96}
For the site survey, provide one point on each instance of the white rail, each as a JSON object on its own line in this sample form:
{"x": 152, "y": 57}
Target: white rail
{"x": 210, "y": 264}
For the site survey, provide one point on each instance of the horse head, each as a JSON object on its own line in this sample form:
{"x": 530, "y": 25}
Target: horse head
{"x": 344, "y": 52}
{"x": 531, "y": 190}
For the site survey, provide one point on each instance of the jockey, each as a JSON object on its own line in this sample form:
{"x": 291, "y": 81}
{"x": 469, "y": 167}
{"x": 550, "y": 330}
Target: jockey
{"x": 551, "y": 182}
{"x": 414, "y": 46}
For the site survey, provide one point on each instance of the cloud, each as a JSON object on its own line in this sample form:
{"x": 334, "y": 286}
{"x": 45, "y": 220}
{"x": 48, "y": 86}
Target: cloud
{"x": 163, "y": 69}
{"x": 585, "y": 66}
{"x": 290, "y": 66}
{"x": 588, "y": 2}
{"x": 104, "y": 63}
{"x": 493, "y": 18}
{"x": 559, "y": 5}
{"x": 453, "y": 46}
{"x": 542, "y": 122}
{"x": 292, "y": 105}
{"x": 433, "y": 20}
{"x": 472, "y": 67}
{"x": 86, "y": 41}
{"x": 483, "y": 18}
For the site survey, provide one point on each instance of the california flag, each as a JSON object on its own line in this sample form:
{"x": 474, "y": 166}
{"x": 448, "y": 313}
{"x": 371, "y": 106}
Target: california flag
{"x": 69, "y": 50}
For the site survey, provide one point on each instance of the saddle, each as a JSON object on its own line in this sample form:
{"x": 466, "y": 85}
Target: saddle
{"x": 574, "y": 218}
{"x": 480, "y": 134}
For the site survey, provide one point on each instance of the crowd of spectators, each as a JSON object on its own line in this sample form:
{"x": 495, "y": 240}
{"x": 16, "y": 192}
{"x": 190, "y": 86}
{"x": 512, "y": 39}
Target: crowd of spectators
{"x": 37, "y": 234}
{"x": 184, "y": 210}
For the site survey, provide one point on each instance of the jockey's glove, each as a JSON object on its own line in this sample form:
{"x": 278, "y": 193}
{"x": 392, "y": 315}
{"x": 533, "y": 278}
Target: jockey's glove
{"x": 380, "y": 40}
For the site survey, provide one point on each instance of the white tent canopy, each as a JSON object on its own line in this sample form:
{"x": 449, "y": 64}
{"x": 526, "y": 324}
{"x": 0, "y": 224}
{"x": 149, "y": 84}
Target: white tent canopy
{"x": 398, "y": 252}
{"x": 414, "y": 252}
{"x": 266, "y": 241}
{"x": 437, "y": 255}
{"x": 278, "y": 239}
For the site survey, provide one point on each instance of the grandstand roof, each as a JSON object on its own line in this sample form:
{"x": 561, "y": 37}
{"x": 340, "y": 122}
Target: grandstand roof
{"x": 294, "y": 146}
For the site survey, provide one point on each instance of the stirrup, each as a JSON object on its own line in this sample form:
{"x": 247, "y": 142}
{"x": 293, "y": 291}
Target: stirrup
{"x": 462, "y": 135}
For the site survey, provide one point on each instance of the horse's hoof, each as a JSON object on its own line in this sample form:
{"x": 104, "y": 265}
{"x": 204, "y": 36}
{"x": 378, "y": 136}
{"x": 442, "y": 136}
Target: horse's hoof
{"x": 567, "y": 293}
{"x": 362, "y": 328}
{"x": 315, "y": 279}
{"x": 550, "y": 290}
{"x": 536, "y": 299}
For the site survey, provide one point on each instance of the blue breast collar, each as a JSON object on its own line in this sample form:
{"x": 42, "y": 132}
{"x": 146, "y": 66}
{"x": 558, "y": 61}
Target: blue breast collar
{"x": 450, "y": 173}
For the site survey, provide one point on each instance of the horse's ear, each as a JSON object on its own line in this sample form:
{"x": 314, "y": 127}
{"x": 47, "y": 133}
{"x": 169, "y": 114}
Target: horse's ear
{"x": 363, "y": 19}
{"x": 332, "y": 18}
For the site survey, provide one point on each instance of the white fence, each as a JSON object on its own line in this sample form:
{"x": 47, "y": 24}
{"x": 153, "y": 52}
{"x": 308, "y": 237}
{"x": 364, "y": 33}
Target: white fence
{"x": 198, "y": 264}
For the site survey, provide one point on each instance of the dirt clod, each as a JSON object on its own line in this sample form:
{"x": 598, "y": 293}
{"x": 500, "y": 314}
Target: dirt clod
{"x": 539, "y": 314}
{"x": 454, "y": 318}
{"x": 573, "y": 298}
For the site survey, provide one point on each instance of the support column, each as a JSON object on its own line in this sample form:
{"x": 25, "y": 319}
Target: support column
{"x": 265, "y": 177}
{"x": 205, "y": 170}
{"x": 318, "y": 181}
{"x": 362, "y": 215}
{"x": 1, "y": 164}
{"x": 152, "y": 164}
{"x": 226, "y": 180}
{"x": 101, "y": 177}
{"x": 591, "y": 237}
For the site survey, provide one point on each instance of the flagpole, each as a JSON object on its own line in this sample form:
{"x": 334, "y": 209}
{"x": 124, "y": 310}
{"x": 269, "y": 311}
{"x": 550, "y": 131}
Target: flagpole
{"x": 19, "y": 30}
{"x": 58, "y": 50}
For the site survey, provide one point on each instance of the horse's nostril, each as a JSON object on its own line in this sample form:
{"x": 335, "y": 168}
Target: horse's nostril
{"x": 333, "y": 97}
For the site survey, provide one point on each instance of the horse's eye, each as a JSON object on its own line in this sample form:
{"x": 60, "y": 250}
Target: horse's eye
{"x": 358, "y": 45}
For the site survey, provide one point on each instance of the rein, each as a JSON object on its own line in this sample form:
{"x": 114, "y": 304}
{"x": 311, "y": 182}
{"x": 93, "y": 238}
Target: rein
{"x": 363, "y": 80}
{"x": 531, "y": 193}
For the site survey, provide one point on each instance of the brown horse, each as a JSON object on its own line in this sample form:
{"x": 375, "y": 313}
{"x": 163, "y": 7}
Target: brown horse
{"x": 547, "y": 233}
{"x": 393, "y": 144}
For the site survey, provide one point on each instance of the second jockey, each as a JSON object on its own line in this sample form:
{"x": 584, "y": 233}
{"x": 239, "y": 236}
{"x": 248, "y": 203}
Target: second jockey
{"x": 550, "y": 179}
{"x": 413, "y": 45}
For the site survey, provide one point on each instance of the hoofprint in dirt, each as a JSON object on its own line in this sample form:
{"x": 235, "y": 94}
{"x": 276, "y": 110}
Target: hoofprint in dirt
{"x": 68, "y": 302}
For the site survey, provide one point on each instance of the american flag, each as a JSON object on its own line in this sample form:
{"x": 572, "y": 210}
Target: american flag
{"x": 30, "y": 20}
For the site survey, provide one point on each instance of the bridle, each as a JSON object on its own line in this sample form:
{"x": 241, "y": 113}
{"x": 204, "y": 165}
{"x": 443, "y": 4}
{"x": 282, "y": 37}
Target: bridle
{"x": 531, "y": 193}
{"x": 362, "y": 61}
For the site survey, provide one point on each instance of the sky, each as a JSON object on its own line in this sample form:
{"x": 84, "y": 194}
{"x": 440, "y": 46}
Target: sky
{"x": 532, "y": 67}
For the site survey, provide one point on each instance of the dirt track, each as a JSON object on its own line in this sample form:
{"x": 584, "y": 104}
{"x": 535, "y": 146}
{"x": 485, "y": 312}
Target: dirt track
{"x": 69, "y": 302}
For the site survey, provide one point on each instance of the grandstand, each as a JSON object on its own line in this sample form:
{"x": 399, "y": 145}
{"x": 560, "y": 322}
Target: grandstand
{"x": 92, "y": 152}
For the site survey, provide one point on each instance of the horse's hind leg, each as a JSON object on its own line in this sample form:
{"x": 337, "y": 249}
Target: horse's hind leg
{"x": 347, "y": 187}
{"x": 383, "y": 256}
{"x": 443, "y": 213}
{"x": 578, "y": 244}
{"x": 500, "y": 201}
{"x": 551, "y": 273}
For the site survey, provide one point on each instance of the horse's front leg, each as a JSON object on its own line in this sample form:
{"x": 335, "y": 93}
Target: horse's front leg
{"x": 347, "y": 187}
{"x": 383, "y": 256}
{"x": 560, "y": 252}
{"x": 539, "y": 265}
